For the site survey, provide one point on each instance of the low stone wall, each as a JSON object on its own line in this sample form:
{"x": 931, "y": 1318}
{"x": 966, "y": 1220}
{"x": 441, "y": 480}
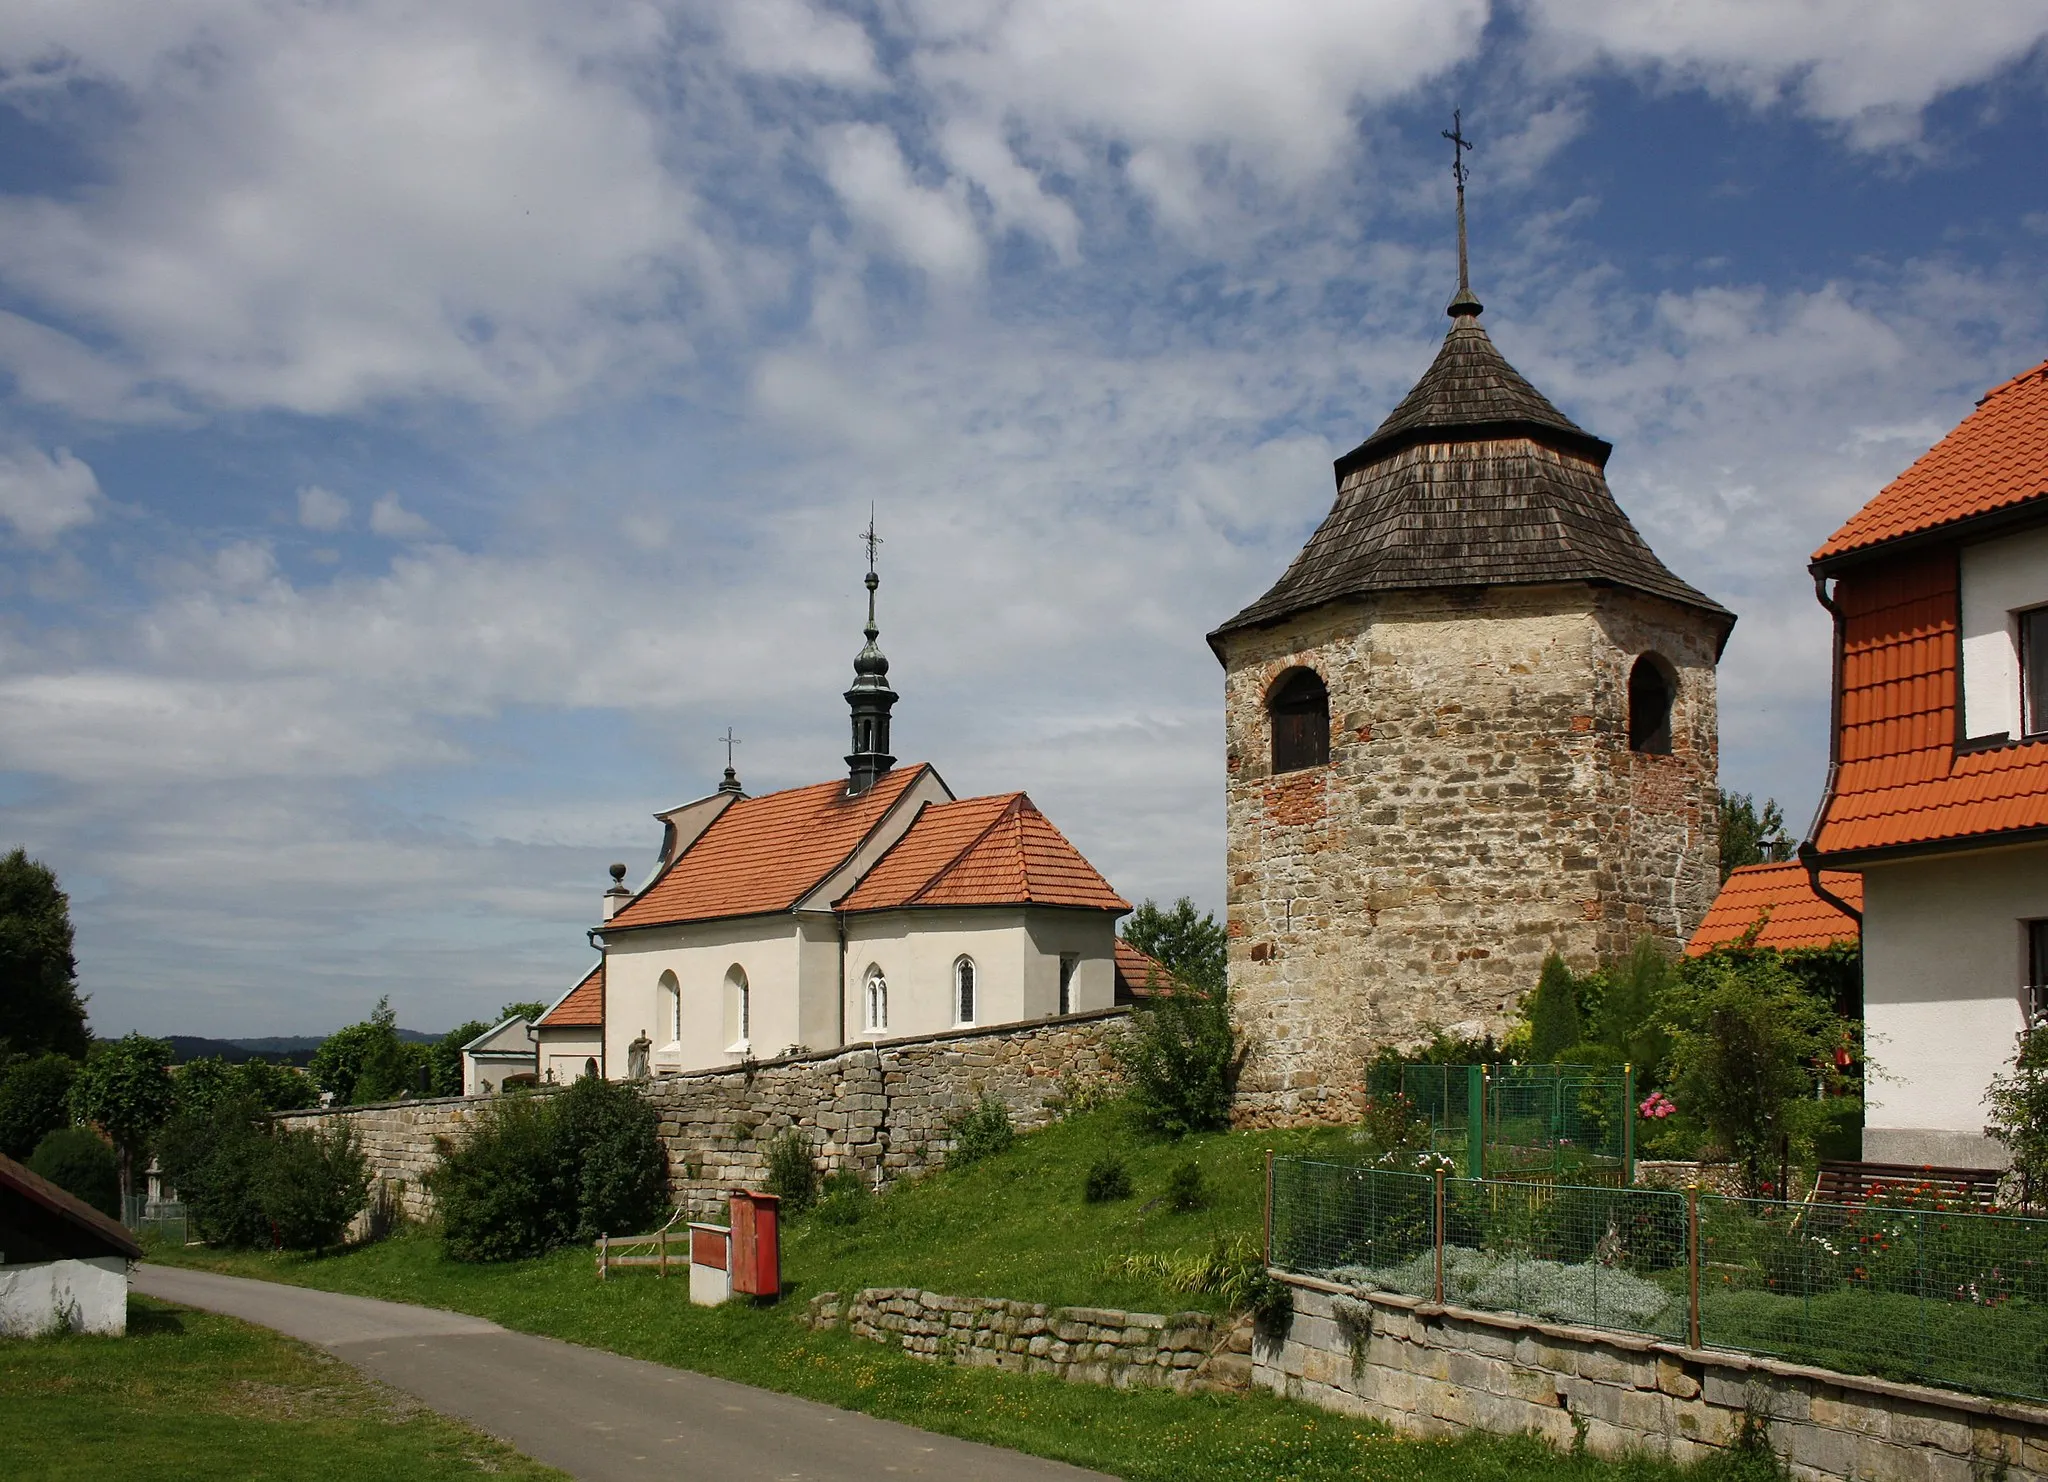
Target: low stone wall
{"x": 1087, "y": 1345}
{"x": 1428, "y": 1370}
{"x": 880, "y": 1109}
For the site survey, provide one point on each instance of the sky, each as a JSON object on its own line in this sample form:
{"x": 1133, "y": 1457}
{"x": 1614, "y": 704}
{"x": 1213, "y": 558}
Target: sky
{"x": 425, "y": 429}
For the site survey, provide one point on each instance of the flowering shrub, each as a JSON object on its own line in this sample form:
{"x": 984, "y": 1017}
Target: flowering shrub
{"x": 1657, "y": 1106}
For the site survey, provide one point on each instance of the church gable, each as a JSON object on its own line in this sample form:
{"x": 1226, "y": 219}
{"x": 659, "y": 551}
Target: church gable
{"x": 982, "y": 852}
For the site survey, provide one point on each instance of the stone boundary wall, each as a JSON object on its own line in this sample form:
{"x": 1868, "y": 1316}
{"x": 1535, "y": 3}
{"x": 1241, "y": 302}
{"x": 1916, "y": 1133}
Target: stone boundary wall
{"x": 1086, "y": 1345}
{"x": 1428, "y": 1370}
{"x": 879, "y": 1109}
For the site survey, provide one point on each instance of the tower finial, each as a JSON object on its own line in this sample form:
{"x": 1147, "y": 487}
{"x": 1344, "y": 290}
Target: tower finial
{"x": 1464, "y": 304}
{"x": 870, "y": 699}
{"x": 732, "y": 777}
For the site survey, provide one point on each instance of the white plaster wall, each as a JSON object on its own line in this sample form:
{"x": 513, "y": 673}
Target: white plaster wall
{"x": 37, "y": 1297}
{"x": 818, "y": 1025}
{"x": 767, "y": 948}
{"x": 916, "y": 951}
{"x": 1089, "y": 935}
{"x": 1944, "y": 963}
{"x": 484, "y": 1074}
{"x": 563, "y": 1051}
{"x": 2000, "y": 578}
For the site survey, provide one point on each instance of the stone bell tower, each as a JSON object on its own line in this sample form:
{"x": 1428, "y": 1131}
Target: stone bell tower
{"x": 1473, "y": 722}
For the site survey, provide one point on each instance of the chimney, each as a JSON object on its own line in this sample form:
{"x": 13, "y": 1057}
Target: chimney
{"x": 618, "y": 895}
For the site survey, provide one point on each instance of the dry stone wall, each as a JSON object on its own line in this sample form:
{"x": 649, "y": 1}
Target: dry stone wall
{"x": 1087, "y": 1345}
{"x": 1427, "y": 1370}
{"x": 1480, "y": 809}
{"x": 880, "y": 1110}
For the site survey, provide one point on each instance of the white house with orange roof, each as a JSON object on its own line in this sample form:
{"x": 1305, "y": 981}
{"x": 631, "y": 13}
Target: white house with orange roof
{"x": 877, "y": 906}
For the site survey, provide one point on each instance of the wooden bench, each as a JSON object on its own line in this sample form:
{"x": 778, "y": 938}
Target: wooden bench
{"x": 1854, "y": 1183}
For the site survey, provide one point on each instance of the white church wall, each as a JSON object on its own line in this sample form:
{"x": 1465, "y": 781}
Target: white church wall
{"x": 766, "y": 949}
{"x": 818, "y": 1022}
{"x": 917, "y": 951}
{"x": 565, "y": 1053}
{"x": 1089, "y": 937}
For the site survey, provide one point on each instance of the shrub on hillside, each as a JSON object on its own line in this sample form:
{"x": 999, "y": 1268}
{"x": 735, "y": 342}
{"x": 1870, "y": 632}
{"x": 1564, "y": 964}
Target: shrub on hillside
{"x": 78, "y": 1161}
{"x": 1108, "y": 1180}
{"x": 1185, "y": 1190}
{"x": 1182, "y": 1059}
{"x": 34, "y": 1102}
{"x": 313, "y": 1184}
{"x": 792, "y": 1175}
{"x": 541, "y": 1171}
{"x": 846, "y": 1199}
{"x": 213, "y": 1155}
{"x": 980, "y": 1132}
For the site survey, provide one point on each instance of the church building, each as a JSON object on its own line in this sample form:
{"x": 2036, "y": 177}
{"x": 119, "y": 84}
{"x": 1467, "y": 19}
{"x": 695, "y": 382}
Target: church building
{"x": 870, "y": 907}
{"x": 1472, "y": 723}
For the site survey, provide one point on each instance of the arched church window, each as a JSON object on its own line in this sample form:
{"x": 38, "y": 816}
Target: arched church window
{"x": 738, "y": 1010}
{"x": 877, "y": 996}
{"x": 590, "y": 1065}
{"x": 1299, "y": 707}
{"x": 1652, "y": 687}
{"x": 963, "y": 990}
{"x": 669, "y": 1008}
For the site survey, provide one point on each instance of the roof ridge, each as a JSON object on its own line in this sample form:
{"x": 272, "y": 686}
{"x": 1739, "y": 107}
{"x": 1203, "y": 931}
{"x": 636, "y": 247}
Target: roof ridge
{"x": 2011, "y": 383}
{"x": 952, "y": 864}
{"x": 860, "y": 843}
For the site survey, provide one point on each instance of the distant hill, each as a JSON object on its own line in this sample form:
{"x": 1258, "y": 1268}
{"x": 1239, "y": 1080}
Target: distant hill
{"x": 288, "y": 1049}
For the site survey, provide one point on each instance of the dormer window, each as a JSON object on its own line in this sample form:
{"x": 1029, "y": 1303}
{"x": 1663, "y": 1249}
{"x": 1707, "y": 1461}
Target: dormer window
{"x": 1299, "y": 707}
{"x": 2033, "y": 630}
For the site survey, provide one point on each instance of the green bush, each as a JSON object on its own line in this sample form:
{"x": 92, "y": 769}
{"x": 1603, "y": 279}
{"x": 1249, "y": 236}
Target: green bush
{"x": 1185, "y": 1191}
{"x": 541, "y": 1171}
{"x": 214, "y": 1157}
{"x": 1553, "y": 1011}
{"x": 313, "y": 1184}
{"x": 792, "y": 1174}
{"x": 1182, "y": 1059}
{"x": 34, "y": 1101}
{"x": 846, "y": 1199}
{"x": 980, "y": 1132}
{"x": 204, "y": 1082}
{"x": 1108, "y": 1180}
{"x": 78, "y": 1161}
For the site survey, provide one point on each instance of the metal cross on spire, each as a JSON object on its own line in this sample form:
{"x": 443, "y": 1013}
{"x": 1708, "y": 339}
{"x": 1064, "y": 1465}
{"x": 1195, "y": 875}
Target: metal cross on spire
{"x": 871, "y": 540}
{"x": 1464, "y": 303}
{"x": 730, "y": 741}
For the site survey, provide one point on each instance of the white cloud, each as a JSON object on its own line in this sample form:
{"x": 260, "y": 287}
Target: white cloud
{"x": 394, "y": 521}
{"x": 928, "y": 227}
{"x": 788, "y": 38}
{"x": 322, "y": 509}
{"x": 43, "y": 495}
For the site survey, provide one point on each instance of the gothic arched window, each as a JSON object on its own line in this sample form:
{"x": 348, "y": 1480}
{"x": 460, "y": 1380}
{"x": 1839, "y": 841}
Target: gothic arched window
{"x": 1652, "y": 687}
{"x": 738, "y": 1010}
{"x": 669, "y": 1007}
{"x": 1299, "y": 707}
{"x": 963, "y": 990}
{"x": 877, "y": 997}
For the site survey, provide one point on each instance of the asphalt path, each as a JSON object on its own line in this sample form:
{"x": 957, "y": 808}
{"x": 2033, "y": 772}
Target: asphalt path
{"x": 597, "y": 1416}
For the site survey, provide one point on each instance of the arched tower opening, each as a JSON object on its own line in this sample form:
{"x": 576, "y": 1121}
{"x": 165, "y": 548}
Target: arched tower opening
{"x": 1652, "y": 691}
{"x": 1299, "y": 709}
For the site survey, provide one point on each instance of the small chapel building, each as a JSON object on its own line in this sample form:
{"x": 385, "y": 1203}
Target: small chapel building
{"x": 871, "y": 907}
{"x": 1472, "y": 723}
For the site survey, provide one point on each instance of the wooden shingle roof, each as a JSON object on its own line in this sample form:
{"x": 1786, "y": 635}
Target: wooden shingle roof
{"x": 1475, "y": 479}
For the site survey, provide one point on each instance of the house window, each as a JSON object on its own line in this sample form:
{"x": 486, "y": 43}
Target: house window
{"x": 590, "y": 1065}
{"x": 669, "y": 1008}
{"x": 963, "y": 990}
{"x": 877, "y": 996}
{"x": 2033, "y": 628}
{"x": 2037, "y": 971}
{"x": 1068, "y": 964}
{"x": 1299, "y": 708}
{"x": 738, "y": 1010}
{"x": 1652, "y": 687}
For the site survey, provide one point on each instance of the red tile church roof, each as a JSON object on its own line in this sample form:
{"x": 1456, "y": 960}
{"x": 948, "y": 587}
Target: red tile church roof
{"x": 582, "y": 1007}
{"x": 983, "y": 852}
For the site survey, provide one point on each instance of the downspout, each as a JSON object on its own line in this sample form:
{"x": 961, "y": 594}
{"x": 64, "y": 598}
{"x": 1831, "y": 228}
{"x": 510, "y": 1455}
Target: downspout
{"x": 595, "y": 936}
{"x": 839, "y": 917}
{"x": 1809, "y": 847}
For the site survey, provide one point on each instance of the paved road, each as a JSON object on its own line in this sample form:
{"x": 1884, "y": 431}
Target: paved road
{"x": 596, "y": 1415}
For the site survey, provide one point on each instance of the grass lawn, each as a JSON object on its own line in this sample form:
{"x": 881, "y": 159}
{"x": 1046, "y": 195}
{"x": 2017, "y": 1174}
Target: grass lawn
{"x": 191, "y": 1394}
{"x": 1015, "y": 1226}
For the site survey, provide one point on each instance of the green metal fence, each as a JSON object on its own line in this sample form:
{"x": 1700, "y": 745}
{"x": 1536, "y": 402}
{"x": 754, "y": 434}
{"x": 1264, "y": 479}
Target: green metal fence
{"x": 164, "y": 1220}
{"x": 1573, "y": 1123}
{"x": 1901, "y": 1286}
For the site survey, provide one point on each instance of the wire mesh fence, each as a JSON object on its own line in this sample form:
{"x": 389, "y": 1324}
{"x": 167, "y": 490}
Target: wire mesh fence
{"x": 1568, "y": 1122}
{"x": 1902, "y": 1286}
{"x": 166, "y": 1220}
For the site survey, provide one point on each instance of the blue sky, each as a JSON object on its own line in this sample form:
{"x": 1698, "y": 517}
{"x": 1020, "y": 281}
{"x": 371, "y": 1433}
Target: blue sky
{"x": 423, "y": 430}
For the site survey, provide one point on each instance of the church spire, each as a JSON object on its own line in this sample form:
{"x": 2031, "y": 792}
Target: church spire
{"x": 870, "y": 699}
{"x": 1464, "y": 305}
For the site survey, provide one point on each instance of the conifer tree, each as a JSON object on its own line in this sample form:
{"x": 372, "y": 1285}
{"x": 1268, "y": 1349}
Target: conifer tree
{"x": 40, "y": 1010}
{"x": 1553, "y": 1012}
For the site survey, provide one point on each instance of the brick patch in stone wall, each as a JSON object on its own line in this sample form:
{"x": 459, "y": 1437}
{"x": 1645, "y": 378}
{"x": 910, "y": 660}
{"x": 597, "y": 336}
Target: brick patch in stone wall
{"x": 1086, "y": 1345}
{"x": 1429, "y": 1371}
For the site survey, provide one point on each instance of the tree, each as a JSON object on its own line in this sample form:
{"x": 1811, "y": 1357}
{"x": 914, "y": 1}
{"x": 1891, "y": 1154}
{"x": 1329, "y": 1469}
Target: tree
{"x": 1627, "y": 1019}
{"x": 368, "y": 1061}
{"x": 214, "y": 1155}
{"x": 126, "y": 1088}
{"x": 1190, "y": 944}
{"x": 204, "y": 1082}
{"x": 2019, "y": 1111}
{"x": 35, "y": 1100}
{"x": 313, "y": 1184}
{"x": 40, "y": 1009}
{"x": 1553, "y": 1011}
{"x": 1745, "y": 828}
{"x": 1182, "y": 1060}
{"x": 78, "y": 1161}
{"x": 525, "y": 1008}
{"x": 444, "y": 1058}
{"x": 1749, "y": 1046}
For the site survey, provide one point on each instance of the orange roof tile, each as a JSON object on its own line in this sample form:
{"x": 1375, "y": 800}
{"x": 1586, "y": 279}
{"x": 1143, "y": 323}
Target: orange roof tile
{"x": 765, "y": 854}
{"x": 994, "y": 851}
{"x": 582, "y": 1007}
{"x": 1996, "y": 457}
{"x": 1900, "y": 781}
{"x": 1781, "y": 897}
{"x": 1139, "y": 974}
